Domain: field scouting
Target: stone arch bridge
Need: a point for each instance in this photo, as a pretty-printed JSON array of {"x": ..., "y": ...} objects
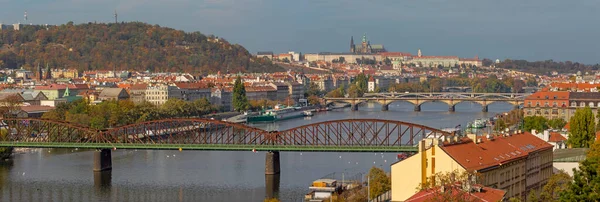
[{"x": 417, "y": 99}]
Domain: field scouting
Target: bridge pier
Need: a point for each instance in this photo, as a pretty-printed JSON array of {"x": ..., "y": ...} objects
[
  {"x": 385, "y": 107},
  {"x": 417, "y": 108},
  {"x": 484, "y": 108},
  {"x": 451, "y": 108},
  {"x": 102, "y": 160},
  {"x": 272, "y": 186},
  {"x": 354, "y": 107},
  {"x": 272, "y": 163}
]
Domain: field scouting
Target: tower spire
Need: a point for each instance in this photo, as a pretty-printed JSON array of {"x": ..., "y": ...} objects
[
  {"x": 116, "y": 15},
  {"x": 25, "y": 17}
]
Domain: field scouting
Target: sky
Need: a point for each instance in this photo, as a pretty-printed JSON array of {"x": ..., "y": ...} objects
[{"x": 533, "y": 29}]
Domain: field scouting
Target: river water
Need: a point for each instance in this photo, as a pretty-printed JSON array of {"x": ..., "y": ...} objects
[{"x": 154, "y": 175}]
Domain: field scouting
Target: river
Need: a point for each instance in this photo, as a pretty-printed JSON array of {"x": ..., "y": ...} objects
[{"x": 154, "y": 175}]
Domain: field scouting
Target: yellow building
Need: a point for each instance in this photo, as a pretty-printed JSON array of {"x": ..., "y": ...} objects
[
  {"x": 64, "y": 73},
  {"x": 515, "y": 163}
]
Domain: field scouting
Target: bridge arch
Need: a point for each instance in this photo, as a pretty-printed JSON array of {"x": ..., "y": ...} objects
[
  {"x": 358, "y": 133},
  {"x": 188, "y": 131},
  {"x": 46, "y": 130}
]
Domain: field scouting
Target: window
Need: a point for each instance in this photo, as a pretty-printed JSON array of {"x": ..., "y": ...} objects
[
  {"x": 591, "y": 104},
  {"x": 546, "y": 104},
  {"x": 582, "y": 104},
  {"x": 573, "y": 104}
]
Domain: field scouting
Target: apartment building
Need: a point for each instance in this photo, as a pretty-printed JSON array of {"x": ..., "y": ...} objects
[
  {"x": 516, "y": 163},
  {"x": 559, "y": 104}
]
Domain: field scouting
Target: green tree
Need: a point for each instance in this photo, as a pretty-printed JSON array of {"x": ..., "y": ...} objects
[
  {"x": 379, "y": 181},
  {"x": 313, "y": 89},
  {"x": 538, "y": 123},
  {"x": 582, "y": 128},
  {"x": 586, "y": 180},
  {"x": 557, "y": 184},
  {"x": 361, "y": 82},
  {"x": 240, "y": 101},
  {"x": 532, "y": 196},
  {"x": 557, "y": 123}
]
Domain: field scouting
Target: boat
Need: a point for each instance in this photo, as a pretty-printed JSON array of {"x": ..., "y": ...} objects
[
  {"x": 277, "y": 114},
  {"x": 308, "y": 113},
  {"x": 477, "y": 123}
]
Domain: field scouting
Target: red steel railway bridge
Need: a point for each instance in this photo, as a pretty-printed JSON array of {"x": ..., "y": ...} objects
[{"x": 349, "y": 135}]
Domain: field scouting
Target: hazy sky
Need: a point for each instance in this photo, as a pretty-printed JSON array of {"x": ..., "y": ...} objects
[{"x": 530, "y": 29}]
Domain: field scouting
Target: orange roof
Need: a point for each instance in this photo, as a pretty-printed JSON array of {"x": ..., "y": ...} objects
[
  {"x": 548, "y": 95},
  {"x": 495, "y": 151},
  {"x": 567, "y": 126},
  {"x": 557, "y": 137},
  {"x": 486, "y": 194}
]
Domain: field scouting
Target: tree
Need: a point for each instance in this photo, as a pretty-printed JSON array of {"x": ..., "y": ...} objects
[
  {"x": 10, "y": 105},
  {"x": 582, "y": 128},
  {"x": 240, "y": 101},
  {"x": 314, "y": 100},
  {"x": 313, "y": 89},
  {"x": 379, "y": 181},
  {"x": 452, "y": 185},
  {"x": 586, "y": 180},
  {"x": 557, "y": 184},
  {"x": 532, "y": 196},
  {"x": 538, "y": 123},
  {"x": 557, "y": 123}
]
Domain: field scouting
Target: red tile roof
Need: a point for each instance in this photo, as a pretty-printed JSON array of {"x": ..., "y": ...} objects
[
  {"x": 557, "y": 137},
  {"x": 542, "y": 95},
  {"x": 494, "y": 151},
  {"x": 486, "y": 194}
]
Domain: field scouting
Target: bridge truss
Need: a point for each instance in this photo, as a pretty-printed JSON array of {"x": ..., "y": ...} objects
[{"x": 357, "y": 135}]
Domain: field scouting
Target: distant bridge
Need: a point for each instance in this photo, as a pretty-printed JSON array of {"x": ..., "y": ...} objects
[
  {"x": 350, "y": 135},
  {"x": 417, "y": 99}
]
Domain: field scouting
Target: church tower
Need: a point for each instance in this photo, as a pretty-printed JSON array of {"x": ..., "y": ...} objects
[
  {"x": 364, "y": 44},
  {"x": 419, "y": 53},
  {"x": 352, "y": 46}
]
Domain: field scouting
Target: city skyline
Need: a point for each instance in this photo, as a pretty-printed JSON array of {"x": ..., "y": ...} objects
[{"x": 518, "y": 30}]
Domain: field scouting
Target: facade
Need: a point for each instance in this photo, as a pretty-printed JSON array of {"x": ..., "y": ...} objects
[
  {"x": 266, "y": 54},
  {"x": 296, "y": 90},
  {"x": 159, "y": 94},
  {"x": 137, "y": 93},
  {"x": 64, "y": 73},
  {"x": 516, "y": 163},
  {"x": 222, "y": 97},
  {"x": 559, "y": 104},
  {"x": 282, "y": 90},
  {"x": 113, "y": 94},
  {"x": 473, "y": 193},
  {"x": 350, "y": 58},
  {"x": 325, "y": 84},
  {"x": 193, "y": 91},
  {"x": 550, "y": 105}
]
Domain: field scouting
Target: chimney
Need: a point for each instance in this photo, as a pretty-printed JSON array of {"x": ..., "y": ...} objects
[
  {"x": 546, "y": 135},
  {"x": 533, "y": 132},
  {"x": 472, "y": 137},
  {"x": 450, "y": 139}
]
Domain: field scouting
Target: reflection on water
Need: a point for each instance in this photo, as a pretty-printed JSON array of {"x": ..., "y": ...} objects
[
  {"x": 153, "y": 175},
  {"x": 272, "y": 186}
]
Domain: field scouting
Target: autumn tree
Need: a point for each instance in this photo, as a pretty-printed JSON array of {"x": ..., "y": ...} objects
[
  {"x": 240, "y": 101},
  {"x": 586, "y": 180},
  {"x": 379, "y": 182},
  {"x": 582, "y": 128},
  {"x": 449, "y": 186},
  {"x": 10, "y": 105},
  {"x": 557, "y": 184}
]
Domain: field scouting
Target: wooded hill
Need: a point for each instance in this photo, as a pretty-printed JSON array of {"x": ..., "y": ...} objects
[{"x": 124, "y": 46}]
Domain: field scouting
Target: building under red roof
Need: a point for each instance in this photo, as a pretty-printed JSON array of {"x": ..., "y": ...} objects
[
  {"x": 494, "y": 151},
  {"x": 476, "y": 193}
]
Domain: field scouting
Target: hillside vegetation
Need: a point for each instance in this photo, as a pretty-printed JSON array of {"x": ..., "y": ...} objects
[
  {"x": 545, "y": 67},
  {"x": 124, "y": 46}
]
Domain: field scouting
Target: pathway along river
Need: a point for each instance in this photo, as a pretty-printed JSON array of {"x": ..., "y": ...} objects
[{"x": 149, "y": 175}]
